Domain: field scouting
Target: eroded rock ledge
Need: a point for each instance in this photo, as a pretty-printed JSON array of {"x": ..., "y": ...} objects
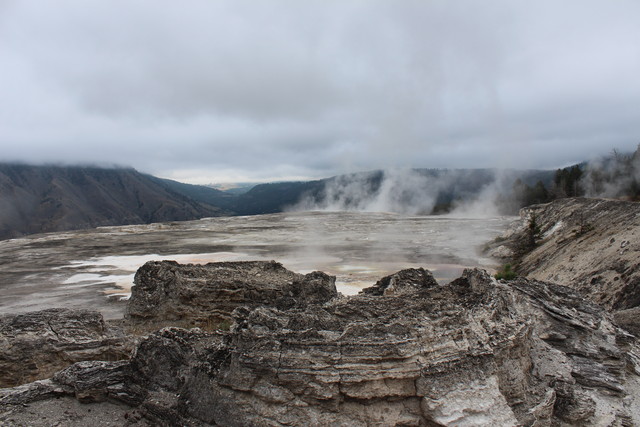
[
  {"x": 404, "y": 352},
  {"x": 36, "y": 345},
  {"x": 206, "y": 295}
]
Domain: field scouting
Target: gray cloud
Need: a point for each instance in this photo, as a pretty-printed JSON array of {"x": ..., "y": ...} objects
[{"x": 206, "y": 91}]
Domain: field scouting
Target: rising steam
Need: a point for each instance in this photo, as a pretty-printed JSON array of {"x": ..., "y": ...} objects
[
  {"x": 410, "y": 192},
  {"x": 615, "y": 176}
]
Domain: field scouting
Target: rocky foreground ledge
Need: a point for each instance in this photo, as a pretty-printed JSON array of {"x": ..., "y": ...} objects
[{"x": 406, "y": 351}]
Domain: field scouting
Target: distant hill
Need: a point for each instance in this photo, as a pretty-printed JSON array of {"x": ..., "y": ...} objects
[
  {"x": 410, "y": 191},
  {"x": 200, "y": 193},
  {"x": 273, "y": 198},
  {"x": 35, "y": 199},
  {"x": 235, "y": 188}
]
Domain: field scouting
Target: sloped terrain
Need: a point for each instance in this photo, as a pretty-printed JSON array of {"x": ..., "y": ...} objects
[
  {"x": 37, "y": 199},
  {"x": 591, "y": 245}
]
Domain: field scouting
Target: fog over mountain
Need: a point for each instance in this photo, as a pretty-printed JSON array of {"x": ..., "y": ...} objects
[
  {"x": 245, "y": 91},
  {"x": 35, "y": 199}
]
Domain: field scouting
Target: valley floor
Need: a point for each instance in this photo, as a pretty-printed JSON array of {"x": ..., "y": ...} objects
[{"x": 95, "y": 268}]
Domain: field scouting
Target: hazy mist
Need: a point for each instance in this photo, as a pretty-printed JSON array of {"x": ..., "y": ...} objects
[{"x": 471, "y": 193}]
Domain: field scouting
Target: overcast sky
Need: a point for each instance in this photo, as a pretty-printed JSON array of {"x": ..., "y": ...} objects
[{"x": 218, "y": 91}]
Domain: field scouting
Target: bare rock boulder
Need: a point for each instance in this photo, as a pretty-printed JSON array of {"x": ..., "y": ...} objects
[
  {"x": 37, "y": 344},
  {"x": 407, "y": 280},
  {"x": 474, "y": 352},
  {"x": 206, "y": 295}
]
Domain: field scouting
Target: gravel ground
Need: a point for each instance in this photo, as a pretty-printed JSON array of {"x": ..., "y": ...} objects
[{"x": 68, "y": 412}]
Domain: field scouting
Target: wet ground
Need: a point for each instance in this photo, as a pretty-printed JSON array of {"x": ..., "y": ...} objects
[{"x": 95, "y": 268}]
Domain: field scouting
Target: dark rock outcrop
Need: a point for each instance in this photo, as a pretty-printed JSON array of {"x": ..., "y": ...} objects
[
  {"x": 206, "y": 295},
  {"x": 629, "y": 319},
  {"x": 37, "y": 344},
  {"x": 408, "y": 280},
  {"x": 474, "y": 352}
]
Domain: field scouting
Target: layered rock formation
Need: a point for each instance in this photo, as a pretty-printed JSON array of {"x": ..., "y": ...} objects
[
  {"x": 206, "y": 295},
  {"x": 591, "y": 245},
  {"x": 36, "y": 345},
  {"x": 405, "y": 352}
]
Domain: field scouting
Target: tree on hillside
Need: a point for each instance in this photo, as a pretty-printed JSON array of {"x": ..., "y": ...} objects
[
  {"x": 527, "y": 195},
  {"x": 566, "y": 182},
  {"x": 617, "y": 175}
]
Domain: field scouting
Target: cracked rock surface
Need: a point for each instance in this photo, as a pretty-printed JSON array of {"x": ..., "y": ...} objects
[
  {"x": 35, "y": 345},
  {"x": 202, "y": 295},
  {"x": 404, "y": 352}
]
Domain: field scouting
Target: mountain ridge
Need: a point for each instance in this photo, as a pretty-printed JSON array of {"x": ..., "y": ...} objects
[
  {"x": 49, "y": 198},
  {"x": 36, "y": 199}
]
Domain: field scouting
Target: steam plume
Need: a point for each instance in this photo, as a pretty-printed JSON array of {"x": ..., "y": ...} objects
[{"x": 410, "y": 192}]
